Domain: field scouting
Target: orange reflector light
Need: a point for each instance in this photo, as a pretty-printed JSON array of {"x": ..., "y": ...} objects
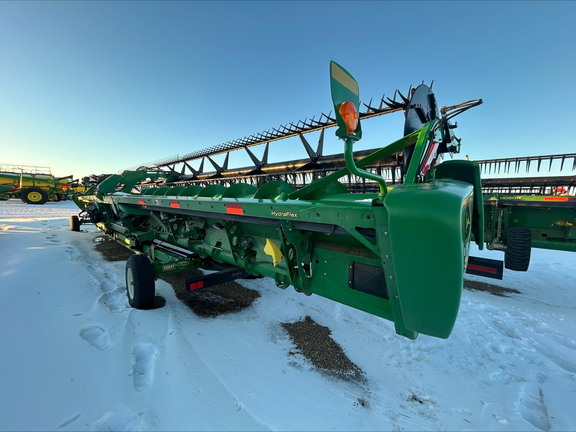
[
  {"x": 234, "y": 208},
  {"x": 174, "y": 204},
  {"x": 141, "y": 202},
  {"x": 350, "y": 116}
]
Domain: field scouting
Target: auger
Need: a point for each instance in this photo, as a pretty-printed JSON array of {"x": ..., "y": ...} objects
[{"x": 399, "y": 253}]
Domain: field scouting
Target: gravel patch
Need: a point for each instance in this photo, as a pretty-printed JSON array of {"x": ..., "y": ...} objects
[
  {"x": 313, "y": 341},
  {"x": 213, "y": 301},
  {"x": 111, "y": 250},
  {"x": 492, "y": 289}
]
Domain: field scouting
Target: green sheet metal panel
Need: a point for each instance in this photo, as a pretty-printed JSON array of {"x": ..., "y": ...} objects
[{"x": 430, "y": 229}]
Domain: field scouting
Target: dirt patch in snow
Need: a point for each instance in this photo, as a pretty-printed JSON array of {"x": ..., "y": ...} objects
[
  {"x": 492, "y": 289},
  {"x": 111, "y": 250},
  {"x": 313, "y": 341},
  {"x": 208, "y": 302},
  {"x": 213, "y": 301}
]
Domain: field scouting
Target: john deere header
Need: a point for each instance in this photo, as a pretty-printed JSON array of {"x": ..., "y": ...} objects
[{"x": 356, "y": 249}]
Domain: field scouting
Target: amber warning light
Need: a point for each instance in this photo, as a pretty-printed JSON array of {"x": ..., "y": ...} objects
[{"x": 350, "y": 116}]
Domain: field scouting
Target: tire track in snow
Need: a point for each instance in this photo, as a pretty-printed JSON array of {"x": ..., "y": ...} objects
[
  {"x": 70, "y": 420},
  {"x": 532, "y": 408}
]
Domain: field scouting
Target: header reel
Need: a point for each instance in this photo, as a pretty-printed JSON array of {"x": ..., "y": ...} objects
[{"x": 422, "y": 108}]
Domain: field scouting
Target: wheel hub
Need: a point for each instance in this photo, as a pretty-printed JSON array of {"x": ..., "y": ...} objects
[
  {"x": 34, "y": 196},
  {"x": 130, "y": 284}
]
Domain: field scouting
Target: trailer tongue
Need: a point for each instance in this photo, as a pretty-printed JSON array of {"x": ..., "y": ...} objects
[{"x": 400, "y": 253}]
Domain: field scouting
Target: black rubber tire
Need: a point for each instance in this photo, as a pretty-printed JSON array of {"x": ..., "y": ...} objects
[
  {"x": 140, "y": 285},
  {"x": 57, "y": 197},
  {"x": 74, "y": 223},
  {"x": 33, "y": 195},
  {"x": 518, "y": 249}
]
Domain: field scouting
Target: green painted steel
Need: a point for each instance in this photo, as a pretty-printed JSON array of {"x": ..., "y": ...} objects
[
  {"x": 400, "y": 254},
  {"x": 551, "y": 220},
  {"x": 429, "y": 228},
  {"x": 344, "y": 90}
]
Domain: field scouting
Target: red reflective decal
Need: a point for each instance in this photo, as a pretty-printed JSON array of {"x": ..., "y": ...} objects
[
  {"x": 174, "y": 204},
  {"x": 559, "y": 199},
  {"x": 234, "y": 208},
  {"x": 196, "y": 285},
  {"x": 481, "y": 268},
  {"x": 430, "y": 157},
  {"x": 141, "y": 202}
]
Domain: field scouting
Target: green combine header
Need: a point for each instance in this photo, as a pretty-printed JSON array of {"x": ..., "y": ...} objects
[{"x": 399, "y": 252}]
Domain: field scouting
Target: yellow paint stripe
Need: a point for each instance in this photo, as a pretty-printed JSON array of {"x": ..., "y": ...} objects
[{"x": 345, "y": 79}]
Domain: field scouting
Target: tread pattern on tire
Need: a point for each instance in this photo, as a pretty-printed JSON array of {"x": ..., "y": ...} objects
[
  {"x": 143, "y": 278},
  {"x": 518, "y": 249}
]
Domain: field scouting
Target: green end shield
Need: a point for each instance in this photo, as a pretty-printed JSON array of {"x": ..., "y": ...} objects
[
  {"x": 344, "y": 88},
  {"x": 429, "y": 226}
]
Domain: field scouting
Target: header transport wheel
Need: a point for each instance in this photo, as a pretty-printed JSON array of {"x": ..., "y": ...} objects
[
  {"x": 33, "y": 195},
  {"x": 518, "y": 249},
  {"x": 74, "y": 223},
  {"x": 140, "y": 284}
]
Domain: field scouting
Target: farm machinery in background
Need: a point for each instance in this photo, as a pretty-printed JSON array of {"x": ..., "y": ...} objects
[
  {"x": 37, "y": 185},
  {"x": 33, "y": 184},
  {"x": 387, "y": 231}
]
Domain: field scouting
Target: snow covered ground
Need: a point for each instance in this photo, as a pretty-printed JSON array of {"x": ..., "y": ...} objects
[{"x": 74, "y": 356}]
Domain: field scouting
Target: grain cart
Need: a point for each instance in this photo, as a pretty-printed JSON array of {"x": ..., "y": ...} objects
[
  {"x": 32, "y": 184},
  {"x": 400, "y": 253}
]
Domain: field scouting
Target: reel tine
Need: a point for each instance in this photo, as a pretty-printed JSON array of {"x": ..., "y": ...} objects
[
  {"x": 320, "y": 146},
  {"x": 406, "y": 100},
  {"x": 265, "y": 155}
]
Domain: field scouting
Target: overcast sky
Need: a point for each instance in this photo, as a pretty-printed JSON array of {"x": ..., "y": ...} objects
[{"x": 96, "y": 87}]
